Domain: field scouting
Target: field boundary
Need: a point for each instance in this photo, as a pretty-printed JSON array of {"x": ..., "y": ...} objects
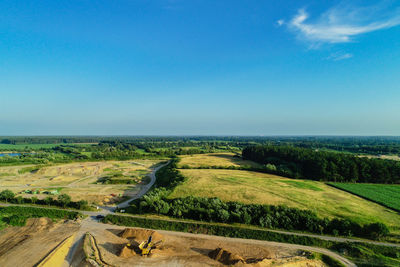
[{"x": 363, "y": 197}]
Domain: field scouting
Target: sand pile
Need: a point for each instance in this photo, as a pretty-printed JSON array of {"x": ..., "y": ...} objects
[
  {"x": 127, "y": 252},
  {"x": 39, "y": 224},
  {"x": 225, "y": 257},
  {"x": 140, "y": 234}
]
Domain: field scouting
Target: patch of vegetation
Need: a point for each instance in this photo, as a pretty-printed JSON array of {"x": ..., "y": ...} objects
[
  {"x": 302, "y": 184},
  {"x": 17, "y": 216},
  {"x": 386, "y": 195},
  {"x": 32, "y": 169},
  {"x": 281, "y": 217},
  {"x": 6, "y": 174},
  {"x": 118, "y": 178},
  {"x": 62, "y": 200},
  {"x": 306, "y": 163}
]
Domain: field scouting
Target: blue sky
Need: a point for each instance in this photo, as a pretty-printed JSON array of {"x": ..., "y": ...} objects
[{"x": 200, "y": 67}]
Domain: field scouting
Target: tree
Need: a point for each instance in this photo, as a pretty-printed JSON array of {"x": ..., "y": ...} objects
[
  {"x": 6, "y": 195},
  {"x": 64, "y": 199},
  {"x": 20, "y": 200},
  {"x": 376, "y": 230},
  {"x": 81, "y": 204},
  {"x": 48, "y": 200},
  {"x": 34, "y": 200}
]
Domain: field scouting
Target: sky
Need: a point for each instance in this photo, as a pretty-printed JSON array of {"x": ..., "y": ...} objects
[{"x": 175, "y": 67}]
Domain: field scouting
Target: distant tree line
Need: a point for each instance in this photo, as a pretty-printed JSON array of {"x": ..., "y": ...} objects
[
  {"x": 304, "y": 163},
  {"x": 355, "y": 144}
]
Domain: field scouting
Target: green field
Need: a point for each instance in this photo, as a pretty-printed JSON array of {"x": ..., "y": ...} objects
[
  {"x": 260, "y": 188},
  {"x": 387, "y": 195}
]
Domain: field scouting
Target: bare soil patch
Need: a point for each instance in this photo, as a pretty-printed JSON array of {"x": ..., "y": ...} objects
[
  {"x": 177, "y": 250},
  {"x": 28, "y": 245}
]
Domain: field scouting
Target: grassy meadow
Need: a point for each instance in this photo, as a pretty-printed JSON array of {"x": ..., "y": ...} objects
[
  {"x": 252, "y": 187},
  {"x": 385, "y": 194},
  {"x": 215, "y": 160}
]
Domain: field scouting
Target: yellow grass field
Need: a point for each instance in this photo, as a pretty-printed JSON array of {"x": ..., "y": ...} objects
[
  {"x": 77, "y": 179},
  {"x": 214, "y": 159},
  {"x": 254, "y": 187}
]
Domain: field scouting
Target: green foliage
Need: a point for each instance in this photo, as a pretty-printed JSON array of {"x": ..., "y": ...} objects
[
  {"x": 39, "y": 212},
  {"x": 168, "y": 176},
  {"x": 269, "y": 216},
  {"x": 64, "y": 199},
  {"x": 305, "y": 163},
  {"x": 29, "y": 169},
  {"x": 6, "y": 195},
  {"x": 331, "y": 262},
  {"x": 386, "y": 195},
  {"x": 15, "y": 220}
]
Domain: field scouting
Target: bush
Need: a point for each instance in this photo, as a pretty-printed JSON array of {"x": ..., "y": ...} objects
[
  {"x": 39, "y": 212},
  {"x": 6, "y": 195},
  {"x": 376, "y": 230}
]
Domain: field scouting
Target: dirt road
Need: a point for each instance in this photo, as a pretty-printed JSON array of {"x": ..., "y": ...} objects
[{"x": 145, "y": 188}]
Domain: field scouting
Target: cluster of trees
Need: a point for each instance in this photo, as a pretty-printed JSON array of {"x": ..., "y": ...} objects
[
  {"x": 63, "y": 200},
  {"x": 215, "y": 210},
  {"x": 168, "y": 177},
  {"x": 307, "y": 163}
]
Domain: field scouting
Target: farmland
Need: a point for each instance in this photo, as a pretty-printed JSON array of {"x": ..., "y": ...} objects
[
  {"x": 82, "y": 181},
  {"x": 387, "y": 195}
]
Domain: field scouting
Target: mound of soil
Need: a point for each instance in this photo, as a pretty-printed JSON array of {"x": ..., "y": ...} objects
[
  {"x": 225, "y": 257},
  {"x": 127, "y": 252},
  {"x": 140, "y": 234},
  {"x": 39, "y": 224}
]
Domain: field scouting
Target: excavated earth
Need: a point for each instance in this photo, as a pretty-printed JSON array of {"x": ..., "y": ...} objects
[
  {"x": 28, "y": 245},
  {"x": 180, "y": 250}
]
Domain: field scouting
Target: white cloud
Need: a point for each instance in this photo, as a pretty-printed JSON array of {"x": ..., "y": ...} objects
[
  {"x": 339, "y": 56},
  {"x": 342, "y": 23},
  {"x": 280, "y": 22}
]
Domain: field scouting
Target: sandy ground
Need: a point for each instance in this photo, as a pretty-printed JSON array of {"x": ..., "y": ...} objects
[
  {"x": 178, "y": 249},
  {"x": 28, "y": 245},
  {"x": 79, "y": 179}
]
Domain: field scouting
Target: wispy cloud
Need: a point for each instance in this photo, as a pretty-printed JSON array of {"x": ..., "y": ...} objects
[
  {"x": 339, "y": 56},
  {"x": 343, "y": 23}
]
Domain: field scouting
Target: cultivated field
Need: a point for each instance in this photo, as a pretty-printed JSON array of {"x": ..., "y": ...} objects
[
  {"x": 387, "y": 195},
  {"x": 215, "y": 160},
  {"x": 80, "y": 180},
  {"x": 252, "y": 187}
]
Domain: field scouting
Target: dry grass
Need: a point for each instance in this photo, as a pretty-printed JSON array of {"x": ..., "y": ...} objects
[
  {"x": 215, "y": 159},
  {"x": 76, "y": 179},
  {"x": 253, "y": 187}
]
